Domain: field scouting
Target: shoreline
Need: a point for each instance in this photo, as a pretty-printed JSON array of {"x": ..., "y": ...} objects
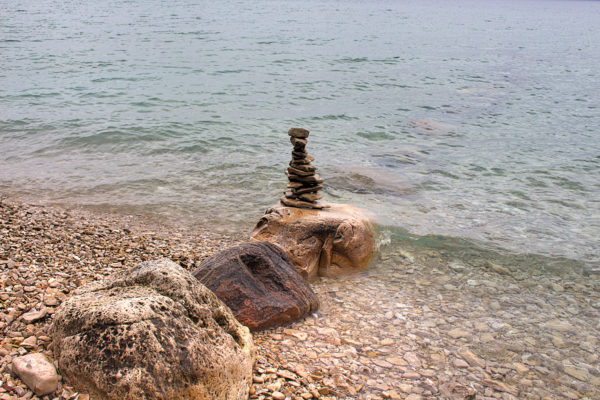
[{"x": 417, "y": 325}]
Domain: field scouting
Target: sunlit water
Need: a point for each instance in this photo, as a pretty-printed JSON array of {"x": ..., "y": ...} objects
[{"x": 467, "y": 119}]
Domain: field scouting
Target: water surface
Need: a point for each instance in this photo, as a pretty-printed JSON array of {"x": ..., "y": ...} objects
[{"x": 469, "y": 120}]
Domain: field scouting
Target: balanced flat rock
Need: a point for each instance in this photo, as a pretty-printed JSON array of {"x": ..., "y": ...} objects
[
  {"x": 310, "y": 196},
  {"x": 296, "y": 171},
  {"x": 303, "y": 166},
  {"x": 259, "y": 284},
  {"x": 301, "y": 155},
  {"x": 301, "y": 203},
  {"x": 308, "y": 189},
  {"x": 315, "y": 179},
  {"x": 298, "y": 133}
]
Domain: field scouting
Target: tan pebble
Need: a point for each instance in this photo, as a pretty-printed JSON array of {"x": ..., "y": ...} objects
[
  {"x": 520, "y": 368},
  {"x": 297, "y": 334},
  {"x": 286, "y": 374},
  {"x": 487, "y": 337},
  {"x": 387, "y": 342},
  {"x": 258, "y": 379},
  {"x": 557, "y": 287},
  {"x": 30, "y": 342},
  {"x": 324, "y": 390},
  {"x": 405, "y": 387},
  {"x": 558, "y": 341},
  {"x": 458, "y": 333},
  {"x": 396, "y": 361},
  {"x": 33, "y": 316},
  {"x": 274, "y": 387},
  {"x": 498, "y": 268},
  {"x": 471, "y": 358},
  {"x": 412, "y": 359},
  {"x": 411, "y": 375},
  {"x": 558, "y": 325},
  {"x": 278, "y": 396},
  {"x": 460, "y": 363},
  {"x": 391, "y": 394},
  {"x": 37, "y": 372},
  {"x": 428, "y": 373},
  {"x": 577, "y": 373},
  {"x": 306, "y": 396}
]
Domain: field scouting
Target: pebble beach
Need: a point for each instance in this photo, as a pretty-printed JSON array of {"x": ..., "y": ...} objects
[{"x": 416, "y": 325}]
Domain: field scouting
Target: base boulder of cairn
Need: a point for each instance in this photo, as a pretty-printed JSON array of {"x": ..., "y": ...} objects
[
  {"x": 330, "y": 242},
  {"x": 259, "y": 284},
  {"x": 152, "y": 332}
]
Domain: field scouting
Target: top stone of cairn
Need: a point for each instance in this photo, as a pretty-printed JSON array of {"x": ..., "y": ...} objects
[{"x": 299, "y": 133}]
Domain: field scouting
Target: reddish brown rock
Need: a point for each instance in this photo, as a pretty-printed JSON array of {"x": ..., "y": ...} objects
[
  {"x": 319, "y": 242},
  {"x": 259, "y": 284}
]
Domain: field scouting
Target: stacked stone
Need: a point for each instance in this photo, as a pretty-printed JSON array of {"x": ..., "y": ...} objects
[{"x": 304, "y": 183}]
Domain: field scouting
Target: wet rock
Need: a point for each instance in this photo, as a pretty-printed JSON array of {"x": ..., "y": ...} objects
[
  {"x": 471, "y": 358},
  {"x": 37, "y": 372},
  {"x": 259, "y": 284},
  {"x": 330, "y": 242},
  {"x": 152, "y": 331},
  {"x": 500, "y": 386},
  {"x": 458, "y": 333}
]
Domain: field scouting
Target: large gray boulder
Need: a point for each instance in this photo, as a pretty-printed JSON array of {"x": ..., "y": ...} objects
[{"x": 152, "y": 332}]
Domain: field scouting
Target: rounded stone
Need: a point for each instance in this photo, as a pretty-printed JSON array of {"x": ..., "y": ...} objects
[{"x": 152, "y": 332}]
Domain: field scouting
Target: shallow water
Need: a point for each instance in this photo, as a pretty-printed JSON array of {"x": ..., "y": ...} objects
[{"x": 447, "y": 119}]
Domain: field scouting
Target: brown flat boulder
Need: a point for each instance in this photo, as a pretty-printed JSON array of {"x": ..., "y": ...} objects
[
  {"x": 259, "y": 284},
  {"x": 319, "y": 242}
]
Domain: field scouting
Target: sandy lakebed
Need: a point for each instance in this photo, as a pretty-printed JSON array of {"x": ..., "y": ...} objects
[{"x": 416, "y": 325}]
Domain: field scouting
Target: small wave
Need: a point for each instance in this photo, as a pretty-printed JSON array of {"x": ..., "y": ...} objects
[
  {"x": 352, "y": 60},
  {"x": 331, "y": 117},
  {"x": 229, "y": 71}
]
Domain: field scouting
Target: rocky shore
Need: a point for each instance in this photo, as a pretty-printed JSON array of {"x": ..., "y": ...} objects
[{"x": 417, "y": 325}]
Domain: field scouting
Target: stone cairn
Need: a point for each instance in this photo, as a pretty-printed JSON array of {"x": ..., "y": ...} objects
[{"x": 304, "y": 183}]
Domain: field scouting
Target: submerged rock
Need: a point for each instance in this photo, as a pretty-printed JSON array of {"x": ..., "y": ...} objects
[
  {"x": 329, "y": 242},
  {"x": 152, "y": 332},
  {"x": 259, "y": 284}
]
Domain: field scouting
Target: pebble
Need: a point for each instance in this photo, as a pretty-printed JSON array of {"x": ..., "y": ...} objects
[
  {"x": 278, "y": 396},
  {"x": 377, "y": 334},
  {"x": 458, "y": 333},
  {"x": 37, "y": 372}
]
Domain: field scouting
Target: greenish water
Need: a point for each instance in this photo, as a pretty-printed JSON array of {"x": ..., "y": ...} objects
[{"x": 470, "y": 121}]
